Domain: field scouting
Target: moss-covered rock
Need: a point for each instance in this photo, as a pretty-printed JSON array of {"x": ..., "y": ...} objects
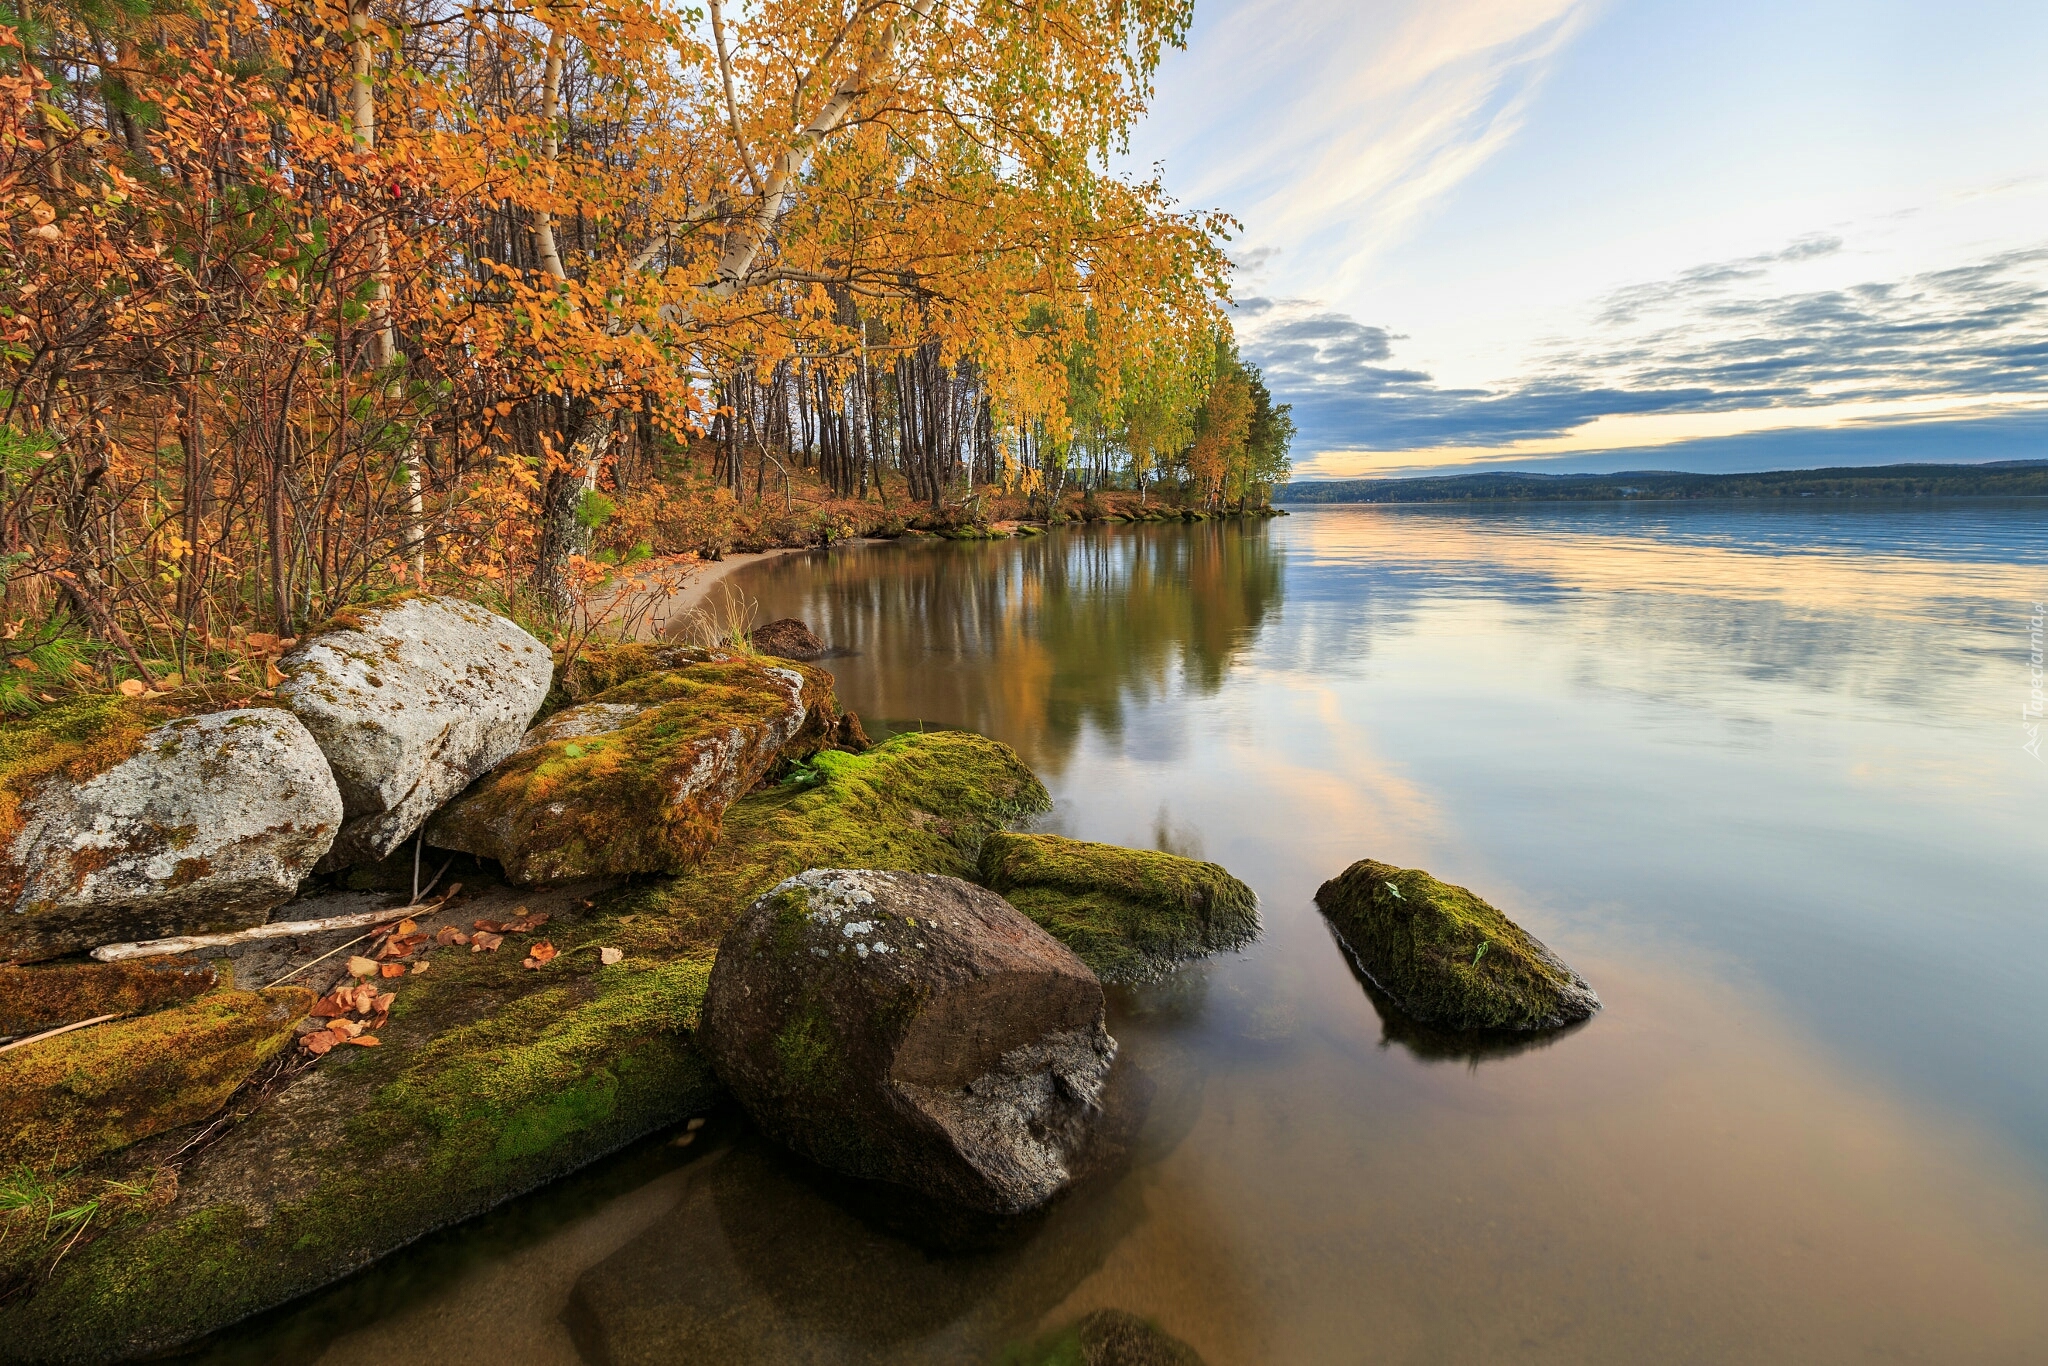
[
  {"x": 636, "y": 779},
  {"x": 1107, "y": 1337},
  {"x": 1130, "y": 914},
  {"x": 39, "y": 998},
  {"x": 67, "y": 1099},
  {"x": 1448, "y": 958},
  {"x": 599, "y": 666},
  {"x": 917, "y": 802},
  {"x": 491, "y": 1080}
]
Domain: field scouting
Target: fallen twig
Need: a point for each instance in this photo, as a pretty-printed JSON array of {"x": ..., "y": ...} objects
[
  {"x": 277, "y": 929},
  {"x": 53, "y": 1033}
]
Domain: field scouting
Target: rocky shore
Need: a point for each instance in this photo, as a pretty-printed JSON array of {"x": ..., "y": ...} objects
[{"x": 296, "y": 976}]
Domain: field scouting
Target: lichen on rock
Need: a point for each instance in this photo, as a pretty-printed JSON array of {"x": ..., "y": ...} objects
[
  {"x": 636, "y": 779},
  {"x": 33, "y": 999},
  {"x": 1131, "y": 914},
  {"x": 66, "y": 1099},
  {"x": 126, "y": 830},
  {"x": 411, "y": 700},
  {"x": 911, "y": 1028},
  {"x": 1448, "y": 958}
]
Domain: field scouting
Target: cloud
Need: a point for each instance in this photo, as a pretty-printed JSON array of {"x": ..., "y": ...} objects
[{"x": 1712, "y": 339}]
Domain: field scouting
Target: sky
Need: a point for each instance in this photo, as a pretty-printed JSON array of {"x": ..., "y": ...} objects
[{"x": 1627, "y": 234}]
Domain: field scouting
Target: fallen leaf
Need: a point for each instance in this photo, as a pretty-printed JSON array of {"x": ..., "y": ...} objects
[
  {"x": 393, "y": 970},
  {"x": 609, "y": 956},
  {"x": 539, "y": 954},
  {"x": 407, "y": 926},
  {"x": 385, "y": 1000},
  {"x": 489, "y": 926},
  {"x": 271, "y": 677},
  {"x": 420, "y": 967},
  {"x": 345, "y": 1029},
  {"x": 448, "y": 934},
  {"x": 364, "y": 995},
  {"x": 320, "y": 1042},
  {"x": 359, "y": 966},
  {"x": 132, "y": 687},
  {"x": 484, "y": 942},
  {"x": 365, "y": 1040},
  {"x": 333, "y": 1004},
  {"x": 527, "y": 924}
]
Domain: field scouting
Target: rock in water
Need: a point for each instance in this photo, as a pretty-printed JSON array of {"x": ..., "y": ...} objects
[
  {"x": 1130, "y": 914},
  {"x": 911, "y": 1028},
  {"x": 410, "y": 702},
  {"x": 68, "y": 1099},
  {"x": 787, "y": 638},
  {"x": 635, "y": 780},
  {"x": 196, "y": 826},
  {"x": 1107, "y": 1337},
  {"x": 35, "y": 999},
  {"x": 1448, "y": 958}
]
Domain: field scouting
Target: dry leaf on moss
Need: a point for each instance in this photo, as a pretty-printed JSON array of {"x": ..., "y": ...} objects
[
  {"x": 393, "y": 969},
  {"x": 539, "y": 954},
  {"x": 485, "y": 942},
  {"x": 365, "y": 1040},
  {"x": 420, "y": 967},
  {"x": 132, "y": 687},
  {"x": 609, "y": 956},
  {"x": 527, "y": 923},
  {"x": 448, "y": 934}
]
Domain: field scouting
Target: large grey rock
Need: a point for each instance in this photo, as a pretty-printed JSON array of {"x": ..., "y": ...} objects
[
  {"x": 209, "y": 825},
  {"x": 411, "y": 702},
  {"x": 911, "y": 1028}
]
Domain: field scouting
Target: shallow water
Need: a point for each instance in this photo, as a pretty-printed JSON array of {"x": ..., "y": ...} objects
[{"x": 1756, "y": 772}]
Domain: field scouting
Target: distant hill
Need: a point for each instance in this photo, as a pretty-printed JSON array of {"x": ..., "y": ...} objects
[{"x": 2004, "y": 478}]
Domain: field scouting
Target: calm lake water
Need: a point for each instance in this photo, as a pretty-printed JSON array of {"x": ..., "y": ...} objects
[{"x": 1756, "y": 771}]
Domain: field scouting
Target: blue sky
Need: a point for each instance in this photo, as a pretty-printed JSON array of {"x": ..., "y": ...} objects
[{"x": 1633, "y": 233}]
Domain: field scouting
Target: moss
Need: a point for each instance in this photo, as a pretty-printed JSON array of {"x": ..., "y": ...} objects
[
  {"x": 580, "y": 805},
  {"x": 80, "y": 739},
  {"x": 600, "y": 666},
  {"x": 1130, "y": 914},
  {"x": 38, "y": 998},
  {"x": 521, "y": 1078},
  {"x": 1107, "y": 1337},
  {"x": 1445, "y": 956},
  {"x": 806, "y": 1047},
  {"x": 75, "y": 1096},
  {"x": 918, "y": 802}
]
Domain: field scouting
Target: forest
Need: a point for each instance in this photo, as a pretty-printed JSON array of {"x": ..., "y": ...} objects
[{"x": 304, "y": 304}]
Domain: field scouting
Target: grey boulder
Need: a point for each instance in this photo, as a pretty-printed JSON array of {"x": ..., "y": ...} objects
[
  {"x": 911, "y": 1028},
  {"x": 411, "y": 702},
  {"x": 210, "y": 824}
]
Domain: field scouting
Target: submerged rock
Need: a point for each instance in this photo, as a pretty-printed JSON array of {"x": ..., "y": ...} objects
[
  {"x": 200, "y": 824},
  {"x": 914, "y": 1029},
  {"x": 787, "y": 638},
  {"x": 411, "y": 701},
  {"x": 1130, "y": 914},
  {"x": 70, "y": 1098},
  {"x": 635, "y": 780},
  {"x": 1448, "y": 958},
  {"x": 1107, "y": 1337},
  {"x": 39, "y": 998}
]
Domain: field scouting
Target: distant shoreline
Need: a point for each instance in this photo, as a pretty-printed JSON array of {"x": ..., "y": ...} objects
[{"x": 2005, "y": 478}]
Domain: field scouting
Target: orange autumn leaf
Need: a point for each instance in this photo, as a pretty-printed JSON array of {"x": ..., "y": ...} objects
[
  {"x": 364, "y": 1040},
  {"x": 392, "y": 969},
  {"x": 359, "y": 966},
  {"x": 541, "y": 953}
]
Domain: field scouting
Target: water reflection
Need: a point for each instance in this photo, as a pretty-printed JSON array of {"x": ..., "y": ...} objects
[{"x": 1087, "y": 627}]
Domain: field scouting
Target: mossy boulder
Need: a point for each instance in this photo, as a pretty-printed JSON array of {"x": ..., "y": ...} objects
[
  {"x": 914, "y": 1029},
  {"x": 1107, "y": 1337},
  {"x": 1130, "y": 914},
  {"x": 411, "y": 700},
  {"x": 636, "y": 779},
  {"x": 125, "y": 819},
  {"x": 599, "y": 666},
  {"x": 1448, "y": 958},
  {"x": 920, "y": 802},
  {"x": 491, "y": 1080},
  {"x": 70, "y": 1098},
  {"x": 38, "y": 998}
]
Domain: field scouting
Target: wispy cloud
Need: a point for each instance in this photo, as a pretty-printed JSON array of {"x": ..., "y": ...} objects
[{"x": 1712, "y": 339}]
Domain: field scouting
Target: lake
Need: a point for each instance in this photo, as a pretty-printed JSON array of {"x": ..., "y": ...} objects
[{"x": 1756, "y": 771}]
